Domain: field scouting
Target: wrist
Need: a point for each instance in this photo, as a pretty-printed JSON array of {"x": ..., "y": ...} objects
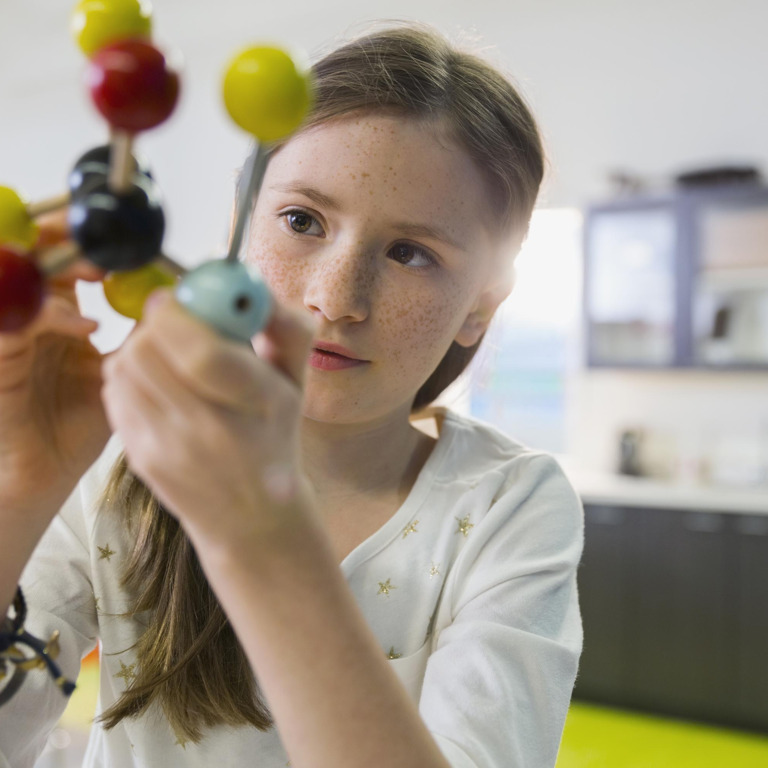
[
  {"x": 17, "y": 544},
  {"x": 14, "y": 637},
  {"x": 31, "y": 494},
  {"x": 258, "y": 538},
  {"x": 23, "y": 523}
]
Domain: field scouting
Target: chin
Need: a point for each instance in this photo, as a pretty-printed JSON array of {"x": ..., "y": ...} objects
[
  {"x": 342, "y": 411},
  {"x": 332, "y": 416}
]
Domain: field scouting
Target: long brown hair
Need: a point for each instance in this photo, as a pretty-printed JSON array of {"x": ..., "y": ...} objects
[{"x": 189, "y": 661}]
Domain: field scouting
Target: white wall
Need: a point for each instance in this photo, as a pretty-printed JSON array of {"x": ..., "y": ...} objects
[
  {"x": 653, "y": 86},
  {"x": 700, "y": 426}
]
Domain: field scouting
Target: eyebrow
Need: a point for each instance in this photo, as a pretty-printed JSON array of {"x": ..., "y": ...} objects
[
  {"x": 310, "y": 192},
  {"x": 411, "y": 229},
  {"x": 424, "y": 230}
]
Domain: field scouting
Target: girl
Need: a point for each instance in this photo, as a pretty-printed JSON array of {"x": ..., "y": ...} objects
[{"x": 288, "y": 558}]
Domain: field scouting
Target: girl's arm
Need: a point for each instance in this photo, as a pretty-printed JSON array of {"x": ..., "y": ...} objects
[
  {"x": 52, "y": 421},
  {"x": 202, "y": 420},
  {"x": 335, "y": 699}
]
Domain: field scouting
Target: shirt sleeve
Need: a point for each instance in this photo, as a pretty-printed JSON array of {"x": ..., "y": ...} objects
[
  {"x": 57, "y": 588},
  {"x": 498, "y": 683}
]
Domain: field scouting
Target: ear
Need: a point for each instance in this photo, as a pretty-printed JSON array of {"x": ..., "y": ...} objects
[{"x": 477, "y": 321}]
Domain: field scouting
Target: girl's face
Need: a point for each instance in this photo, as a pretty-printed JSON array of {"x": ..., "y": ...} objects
[{"x": 378, "y": 226}]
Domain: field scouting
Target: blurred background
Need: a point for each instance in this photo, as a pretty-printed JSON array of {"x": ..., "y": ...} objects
[{"x": 634, "y": 346}]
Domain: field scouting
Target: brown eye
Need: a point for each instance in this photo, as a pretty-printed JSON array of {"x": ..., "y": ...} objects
[
  {"x": 300, "y": 222},
  {"x": 402, "y": 252},
  {"x": 406, "y": 254}
]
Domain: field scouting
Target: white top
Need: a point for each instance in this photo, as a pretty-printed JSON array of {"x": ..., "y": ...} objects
[{"x": 470, "y": 587}]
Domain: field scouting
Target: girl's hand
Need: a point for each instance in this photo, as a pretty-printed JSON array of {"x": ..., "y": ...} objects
[
  {"x": 52, "y": 422},
  {"x": 210, "y": 427}
]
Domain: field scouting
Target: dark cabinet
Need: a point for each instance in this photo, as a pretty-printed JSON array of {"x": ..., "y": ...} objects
[
  {"x": 605, "y": 592},
  {"x": 751, "y": 626},
  {"x": 675, "y": 612},
  {"x": 679, "y": 280}
]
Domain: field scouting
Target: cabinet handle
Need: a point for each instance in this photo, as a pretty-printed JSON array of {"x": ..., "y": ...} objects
[{"x": 704, "y": 522}]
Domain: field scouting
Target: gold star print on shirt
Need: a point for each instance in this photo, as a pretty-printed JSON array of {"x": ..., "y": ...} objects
[
  {"x": 464, "y": 525},
  {"x": 392, "y": 654},
  {"x": 106, "y": 552},
  {"x": 410, "y": 528},
  {"x": 385, "y": 587},
  {"x": 126, "y": 672}
]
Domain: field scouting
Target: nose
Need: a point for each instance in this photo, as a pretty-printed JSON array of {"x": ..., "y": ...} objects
[{"x": 341, "y": 284}]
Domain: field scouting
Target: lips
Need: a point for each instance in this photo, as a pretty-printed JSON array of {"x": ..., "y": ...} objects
[
  {"x": 331, "y": 361},
  {"x": 336, "y": 349}
]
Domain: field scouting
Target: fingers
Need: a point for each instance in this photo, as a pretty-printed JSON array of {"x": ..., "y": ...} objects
[
  {"x": 129, "y": 403},
  {"x": 19, "y": 350},
  {"x": 140, "y": 361},
  {"x": 221, "y": 371},
  {"x": 78, "y": 270},
  {"x": 287, "y": 341},
  {"x": 54, "y": 229},
  {"x": 174, "y": 348},
  {"x": 58, "y": 315}
]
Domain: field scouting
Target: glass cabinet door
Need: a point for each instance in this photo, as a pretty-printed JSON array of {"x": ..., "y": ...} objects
[
  {"x": 630, "y": 288},
  {"x": 730, "y": 290}
]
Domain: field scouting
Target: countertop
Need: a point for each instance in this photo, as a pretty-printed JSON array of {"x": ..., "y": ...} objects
[{"x": 596, "y": 487}]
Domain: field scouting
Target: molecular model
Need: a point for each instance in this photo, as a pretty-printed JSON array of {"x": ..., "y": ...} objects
[{"x": 115, "y": 217}]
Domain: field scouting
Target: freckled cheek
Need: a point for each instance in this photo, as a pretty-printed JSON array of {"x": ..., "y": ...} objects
[
  {"x": 282, "y": 271},
  {"x": 422, "y": 330}
]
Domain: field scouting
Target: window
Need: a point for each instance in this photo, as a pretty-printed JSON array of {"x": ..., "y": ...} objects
[{"x": 518, "y": 379}]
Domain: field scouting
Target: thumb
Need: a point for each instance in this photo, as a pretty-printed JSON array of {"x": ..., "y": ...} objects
[
  {"x": 286, "y": 341},
  {"x": 53, "y": 228}
]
